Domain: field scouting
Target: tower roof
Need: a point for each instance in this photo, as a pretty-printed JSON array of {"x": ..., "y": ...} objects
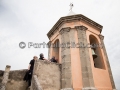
[{"x": 71, "y": 18}]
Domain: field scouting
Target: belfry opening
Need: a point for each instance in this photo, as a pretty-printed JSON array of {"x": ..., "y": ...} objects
[
  {"x": 55, "y": 51},
  {"x": 96, "y": 47}
]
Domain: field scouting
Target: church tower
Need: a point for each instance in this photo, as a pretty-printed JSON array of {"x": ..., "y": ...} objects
[{"x": 77, "y": 43}]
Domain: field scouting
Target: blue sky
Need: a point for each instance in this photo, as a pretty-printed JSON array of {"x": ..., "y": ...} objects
[{"x": 29, "y": 21}]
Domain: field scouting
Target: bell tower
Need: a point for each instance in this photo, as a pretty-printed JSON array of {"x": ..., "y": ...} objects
[{"x": 77, "y": 43}]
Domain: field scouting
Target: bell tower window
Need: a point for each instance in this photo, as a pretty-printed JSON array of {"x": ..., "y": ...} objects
[{"x": 96, "y": 52}]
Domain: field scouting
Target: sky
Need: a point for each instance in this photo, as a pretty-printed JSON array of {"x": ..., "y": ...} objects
[{"x": 30, "y": 20}]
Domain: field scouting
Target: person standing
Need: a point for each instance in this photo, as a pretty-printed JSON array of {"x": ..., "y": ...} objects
[
  {"x": 42, "y": 57},
  {"x": 53, "y": 59},
  {"x": 30, "y": 69}
]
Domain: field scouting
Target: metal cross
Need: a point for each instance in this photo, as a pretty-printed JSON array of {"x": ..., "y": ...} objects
[{"x": 71, "y": 6}]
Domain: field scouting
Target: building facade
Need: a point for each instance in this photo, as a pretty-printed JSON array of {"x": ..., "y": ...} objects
[{"x": 82, "y": 67}]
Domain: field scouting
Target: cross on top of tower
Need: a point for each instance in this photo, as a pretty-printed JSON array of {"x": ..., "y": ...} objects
[{"x": 71, "y": 6}]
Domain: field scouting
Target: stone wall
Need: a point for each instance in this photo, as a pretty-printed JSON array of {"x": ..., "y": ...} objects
[
  {"x": 1, "y": 75},
  {"x": 35, "y": 83},
  {"x": 48, "y": 75},
  {"x": 15, "y": 81}
]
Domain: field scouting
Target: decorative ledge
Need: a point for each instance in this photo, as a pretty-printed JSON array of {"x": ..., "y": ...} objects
[{"x": 77, "y": 17}]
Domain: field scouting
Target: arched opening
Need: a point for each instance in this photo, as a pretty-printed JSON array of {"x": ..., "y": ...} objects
[
  {"x": 96, "y": 52},
  {"x": 55, "y": 51}
]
